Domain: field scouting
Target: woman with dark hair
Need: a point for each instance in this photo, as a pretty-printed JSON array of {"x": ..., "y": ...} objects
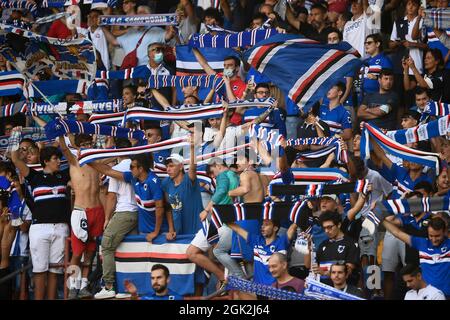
[
  {"x": 372, "y": 66},
  {"x": 432, "y": 80}
]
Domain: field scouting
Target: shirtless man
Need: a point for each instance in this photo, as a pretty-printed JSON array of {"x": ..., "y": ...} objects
[
  {"x": 86, "y": 185},
  {"x": 250, "y": 187}
]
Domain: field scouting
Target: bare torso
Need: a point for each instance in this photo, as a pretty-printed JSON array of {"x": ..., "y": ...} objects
[
  {"x": 256, "y": 193},
  {"x": 86, "y": 185}
]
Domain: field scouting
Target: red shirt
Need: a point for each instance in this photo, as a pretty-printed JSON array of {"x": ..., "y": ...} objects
[
  {"x": 238, "y": 87},
  {"x": 59, "y": 30},
  {"x": 339, "y": 6}
]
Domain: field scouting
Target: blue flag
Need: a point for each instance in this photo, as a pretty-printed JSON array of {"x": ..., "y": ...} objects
[{"x": 303, "y": 69}]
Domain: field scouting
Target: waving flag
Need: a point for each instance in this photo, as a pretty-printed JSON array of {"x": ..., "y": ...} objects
[
  {"x": 135, "y": 257},
  {"x": 187, "y": 64},
  {"x": 304, "y": 69},
  {"x": 31, "y": 53}
]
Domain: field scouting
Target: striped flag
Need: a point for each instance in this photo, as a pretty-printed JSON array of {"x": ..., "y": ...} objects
[
  {"x": 187, "y": 64},
  {"x": 135, "y": 257},
  {"x": 11, "y": 83},
  {"x": 304, "y": 69}
]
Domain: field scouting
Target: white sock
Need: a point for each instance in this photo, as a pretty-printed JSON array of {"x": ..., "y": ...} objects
[{"x": 84, "y": 283}]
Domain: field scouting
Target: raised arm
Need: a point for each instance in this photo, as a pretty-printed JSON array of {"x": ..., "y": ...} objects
[
  {"x": 290, "y": 17},
  {"x": 239, "y": 230},
  {"x": 20, "y": 164},
  {"x": 66, "y": 152},
  {"x": 406, "y": 238},
  {"x": 107, "y": 170},
  {"x": 292, "y": 231},
  {"x": 192, "y": 162},
  {"x": 380, "y": 154},
  {"x": 223, "y": 126},
  {"x": 161, "y": 99},
  {"x": 201, "y": 59},
  {"x": 41, "y": 123}
]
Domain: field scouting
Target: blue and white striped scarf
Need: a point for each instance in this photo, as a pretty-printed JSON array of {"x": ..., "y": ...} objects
[
  {"x": 18, "y": 4},
  {"x": 90, "y": 155},
  {"x": 174, "y": 113},
  {"x": 436, "y": 109},
  {"x": 241, "y": 39},
  {"x": 422, "y": 132},
  {"x": 437, "y": 18},
  {"x": 146, "y": 20},
  {"x": 59, "y": 127},
  {"x": 397, "y": 149},
  {"x": 36, "y": 134}
]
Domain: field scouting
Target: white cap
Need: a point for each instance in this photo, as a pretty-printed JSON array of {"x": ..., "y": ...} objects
[
  {"x": 332, "y": 196},
  {"x": 175, "y": 157}
]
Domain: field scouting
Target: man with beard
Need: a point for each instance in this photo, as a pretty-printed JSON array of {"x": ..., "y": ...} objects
[{"x": 160, "y": 281}]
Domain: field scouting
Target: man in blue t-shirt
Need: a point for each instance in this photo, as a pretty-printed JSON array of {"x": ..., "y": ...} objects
[
  {"x": 264, "y": 245},
  {"x": 160, "y": 281},
  {"x": 335, "y": 114},
  {"x": 148, "y": 193},
  {"x": 434, "y": 252}
]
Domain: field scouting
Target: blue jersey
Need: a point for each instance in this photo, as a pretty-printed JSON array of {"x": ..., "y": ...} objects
[
  {"x": 373, "y": 66},
  {"x": 273, "y": 121},
  {"x": 337, "y": 119},
  {"x": 401, "y": 179},
  {"x": 435, "y": 43},
  {"x": 146, "y": 194},
  {"x": 186, "y": 202},
  {"x": 171, "y": 295},
  {"x": 434, "y": 262},
  {"x": 160, "y": 156},
  {"x": 262, "y": 253}
]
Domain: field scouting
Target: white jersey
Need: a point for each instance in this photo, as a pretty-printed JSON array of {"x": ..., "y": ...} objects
[
  {"x": 427, "y": 293},
  {"x": 125, "y": 193},
  {"x": 356, "y": 31}
]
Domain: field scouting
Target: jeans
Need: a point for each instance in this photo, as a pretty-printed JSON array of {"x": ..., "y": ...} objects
[
  {"x": 291, "y": 126},
  {"x": 221, "y": 251}
]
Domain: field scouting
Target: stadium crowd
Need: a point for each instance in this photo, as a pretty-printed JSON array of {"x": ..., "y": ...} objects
[{"x": 50, "y": 192}]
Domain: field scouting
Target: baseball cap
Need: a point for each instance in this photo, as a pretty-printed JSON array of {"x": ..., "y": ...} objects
[
  {"x": 175, "y": 157},
  {"x": 331, "y": 196}
]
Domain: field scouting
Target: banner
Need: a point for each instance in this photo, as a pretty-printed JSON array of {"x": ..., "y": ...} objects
[
  {"x": 80, "y": 107},
  {"x": 169, "y": 19},
  {"x": 31, "y": 53},
  {"x": 135, "y": 257}
]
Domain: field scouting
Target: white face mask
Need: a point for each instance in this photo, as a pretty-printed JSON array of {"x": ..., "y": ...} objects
[{"x": 228, "y": 72}]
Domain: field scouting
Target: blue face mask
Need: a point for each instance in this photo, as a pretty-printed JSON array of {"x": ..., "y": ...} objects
[{"x": 158, "y": 57}]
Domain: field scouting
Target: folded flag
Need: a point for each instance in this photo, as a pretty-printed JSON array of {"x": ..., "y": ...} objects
[
  {"x": 390, "y": 146},
  {"x": 56, "y": 87},
  {"x": 59, "y": 127},
  {"x": 135, "y": 257},
  {"x": 169, "y": 19},
  {"x": 307, "y": 80},
  {"x": 31, "y": 53},
  {"x": 187, "y": 64},
  {"x": 236, "y": 40},
  {"x": 11, "y": 83}
]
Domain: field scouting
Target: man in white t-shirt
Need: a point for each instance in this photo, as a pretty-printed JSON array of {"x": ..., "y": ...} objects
[
  {"x": 121, "y": 201},
  {"x": 420, "y": 290},
  {"x": 401, "y": 37},
  {"x": 96, "y": 35},
  {"x": 359, "y": 26}
]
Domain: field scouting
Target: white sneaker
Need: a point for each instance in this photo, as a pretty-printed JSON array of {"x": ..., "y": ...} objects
[
  {"x": 123, "y": 295},
  {"x": 105, "y": 294}
]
